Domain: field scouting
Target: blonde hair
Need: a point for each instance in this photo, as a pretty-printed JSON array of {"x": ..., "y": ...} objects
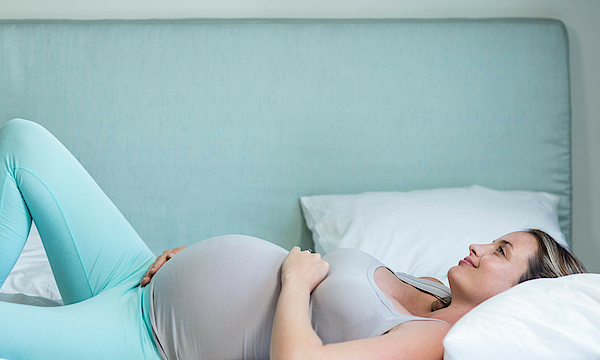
[{"x": 551, "y": 260}]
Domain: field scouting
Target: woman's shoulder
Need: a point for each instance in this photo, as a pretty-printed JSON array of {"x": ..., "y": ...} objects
[
  {"x": 431, "y": 279},
  {"x": 424, "y": 331},
  {"x": 413, "y": 340},
  {"x": 418, "y": 339},
  {"x": 423, "y": 323}
]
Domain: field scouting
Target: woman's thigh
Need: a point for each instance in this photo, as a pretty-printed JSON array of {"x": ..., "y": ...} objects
[
  {"x": 90, "y": 244},
  {"x": 107, "y": 326}
]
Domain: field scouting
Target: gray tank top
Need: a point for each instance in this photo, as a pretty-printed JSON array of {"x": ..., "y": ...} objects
[
  {"x": 348, "y": 304},
  {"x": 217, "y": 299}
]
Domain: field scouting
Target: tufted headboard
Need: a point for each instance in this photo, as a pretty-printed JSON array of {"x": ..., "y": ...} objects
[{"x": 196, "y": 128}]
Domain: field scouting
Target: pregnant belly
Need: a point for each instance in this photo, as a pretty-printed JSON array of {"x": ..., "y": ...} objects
[{"x": 217, "y": 298}]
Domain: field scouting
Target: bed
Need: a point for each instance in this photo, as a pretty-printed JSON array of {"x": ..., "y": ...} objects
[{"x": 197, "y": 128}]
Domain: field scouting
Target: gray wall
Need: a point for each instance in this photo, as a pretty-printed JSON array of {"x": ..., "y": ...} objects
[{"x": 580, "y": 17}]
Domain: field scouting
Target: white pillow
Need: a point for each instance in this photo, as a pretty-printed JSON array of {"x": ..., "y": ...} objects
[
  {"x": 425, "y": 232},
  {"x": 32, "y": 274},
  {"x": 554, "y": 319}
]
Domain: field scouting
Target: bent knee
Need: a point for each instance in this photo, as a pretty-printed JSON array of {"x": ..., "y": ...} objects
[
  {"x": 20, "y": 131},
  {"x": 21, "y": 126}
]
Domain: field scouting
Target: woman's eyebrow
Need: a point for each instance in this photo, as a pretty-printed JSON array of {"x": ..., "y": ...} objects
[{"x": 504, "y": 242}]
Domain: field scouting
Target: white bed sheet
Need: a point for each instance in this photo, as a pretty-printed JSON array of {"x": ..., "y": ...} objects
[{"x": 31, "y": 281}]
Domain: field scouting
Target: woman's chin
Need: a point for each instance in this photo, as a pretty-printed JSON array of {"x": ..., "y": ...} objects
[
  {"x": 457, "y": 274},
  {"x": 452, "y": 270},
  {"x": 451, "y": 273}
]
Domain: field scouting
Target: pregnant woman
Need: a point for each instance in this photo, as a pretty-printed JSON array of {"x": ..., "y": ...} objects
[{"x": 230, "y": 297}]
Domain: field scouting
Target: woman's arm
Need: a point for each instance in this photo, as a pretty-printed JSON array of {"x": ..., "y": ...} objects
[
  {"x": 293, "y": 337},
  {"x": 413, "y": 340},
  {"x": 292, "y": 332}
]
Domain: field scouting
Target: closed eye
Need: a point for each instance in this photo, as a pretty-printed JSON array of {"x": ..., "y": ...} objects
[{"x": 501, "y": 243}]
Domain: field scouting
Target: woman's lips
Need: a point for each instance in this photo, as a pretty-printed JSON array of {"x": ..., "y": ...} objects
[{"x": 468, "y": 261}]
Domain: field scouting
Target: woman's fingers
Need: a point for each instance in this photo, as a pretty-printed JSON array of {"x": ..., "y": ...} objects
[
  {"x": 153, "y": 269},
  {"x": 166, "y": 255},
  {"x": 172, "y": 253},
  {"x": 304, "y": 268},
  {"x": 160, "y": 261}
]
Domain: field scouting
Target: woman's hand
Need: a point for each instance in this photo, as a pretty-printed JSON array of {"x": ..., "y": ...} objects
[
  {"x": 303, "y": 269},
  {"x": 167, "y": 254}
]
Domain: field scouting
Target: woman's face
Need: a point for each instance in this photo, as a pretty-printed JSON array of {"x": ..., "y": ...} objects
[{"x": 492, "y": 268}]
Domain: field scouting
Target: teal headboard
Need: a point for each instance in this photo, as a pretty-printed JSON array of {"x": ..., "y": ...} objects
[{"x": 196, "y": 128}]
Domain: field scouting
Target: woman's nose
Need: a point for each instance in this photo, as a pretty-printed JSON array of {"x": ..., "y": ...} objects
[
  {"x": 473, "y": 249},
  {"x": 481, "y": 249},
  {"x": 477, "y": 249}
]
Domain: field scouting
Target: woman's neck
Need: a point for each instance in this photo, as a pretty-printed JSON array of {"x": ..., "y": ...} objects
[{"x": 452, "y": 313}]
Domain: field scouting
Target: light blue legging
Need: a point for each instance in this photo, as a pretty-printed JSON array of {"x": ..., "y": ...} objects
[{"x": 96, "y": 256}]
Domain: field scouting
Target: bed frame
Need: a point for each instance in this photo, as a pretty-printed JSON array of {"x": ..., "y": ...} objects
[{"x": 197, "y": 128}]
